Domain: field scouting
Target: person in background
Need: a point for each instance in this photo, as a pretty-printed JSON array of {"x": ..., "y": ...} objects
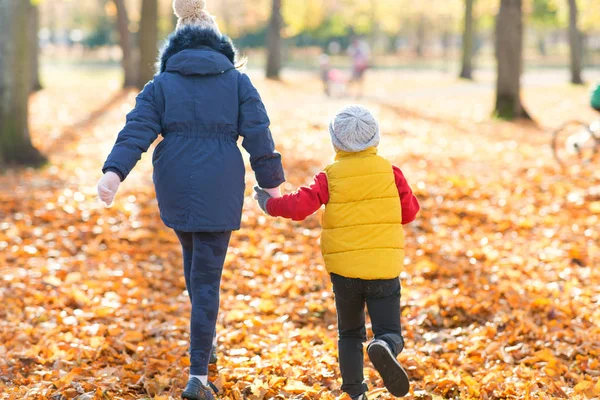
[
  {"x": 595, "y": 98},
  {"x": 360, "y": 56},
  {"x": 325, "y": 69}
]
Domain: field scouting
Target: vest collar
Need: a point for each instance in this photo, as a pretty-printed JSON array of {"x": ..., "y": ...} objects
[{"x": 371, "y": 151}]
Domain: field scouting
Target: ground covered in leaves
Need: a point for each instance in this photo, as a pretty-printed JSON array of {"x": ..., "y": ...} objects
[{"x": 501, "y": 290}]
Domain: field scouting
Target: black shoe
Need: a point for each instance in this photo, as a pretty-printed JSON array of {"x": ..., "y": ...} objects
[
  {"x": 394, "y": 376},
  {"x": 362, "y": 396},
  {"x": 195, "y": 390}
]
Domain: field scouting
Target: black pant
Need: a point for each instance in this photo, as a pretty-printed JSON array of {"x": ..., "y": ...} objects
[
  {"x": 203, "y": 258},
  {"x": 382, "y": 298}
]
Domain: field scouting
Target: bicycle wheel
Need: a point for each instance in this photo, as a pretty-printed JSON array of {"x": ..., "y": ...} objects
[
  {"x": 595, "y": 130},
  {"x": 574, "y": 143}
]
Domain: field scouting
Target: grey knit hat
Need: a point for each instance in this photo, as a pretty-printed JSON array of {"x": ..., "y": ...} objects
[{"x": 354, "y": 129}]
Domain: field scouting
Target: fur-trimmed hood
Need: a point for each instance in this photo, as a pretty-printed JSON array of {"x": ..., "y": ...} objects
[{"x": 194, "y": 38}]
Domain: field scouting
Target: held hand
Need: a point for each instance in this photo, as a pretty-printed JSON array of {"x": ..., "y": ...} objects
[
  {"x": 274, "y": 193},
  {"x": 262, "y": 197},
  {"x": 108, "y": 187}
]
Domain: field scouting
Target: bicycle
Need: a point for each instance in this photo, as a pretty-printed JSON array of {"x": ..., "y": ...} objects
[{"x": 576, "y": 142}]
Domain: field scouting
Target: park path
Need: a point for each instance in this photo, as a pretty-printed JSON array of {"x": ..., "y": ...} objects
[{"x": 500, "y": 291}]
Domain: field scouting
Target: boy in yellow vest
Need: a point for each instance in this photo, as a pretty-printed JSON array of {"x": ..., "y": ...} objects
[{"x": 367, "y": 200}]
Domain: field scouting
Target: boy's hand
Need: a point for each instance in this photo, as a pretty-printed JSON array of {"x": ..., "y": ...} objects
[
  {"x": 262, "y": 197},
  {"x": 108, "y": 187}
]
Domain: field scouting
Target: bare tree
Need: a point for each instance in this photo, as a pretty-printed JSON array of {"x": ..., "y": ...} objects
[
  {"x": 15, "y": 86},
  {"x": 274, "y": 41},
  {"x": 125, "y": 40},
  {"x": 373, "y": 22},
  {"x": 421, "y": 36},
  {"x": 226, "y": 10},
  {"x": 509, "y": 56},
  {"x": 468, "y": 42},
  {"x": 148, "y": 41},
  {"x": 34, "y": 46},
  {"x": 575, "y": 43}
]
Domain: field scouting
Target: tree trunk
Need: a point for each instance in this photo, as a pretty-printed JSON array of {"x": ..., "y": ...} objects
[
  {"x": 374, "y": 25},
  {"x": 15, "y": 86},
  {"x": 468, "y": 42},
  {"x": 228, "y": 20},
  {"x": 274, "y": 41},
  {"x": 509, "y": 56},
  {"x": 576, "y": 44},
  {"x": 126, "y": 44},
  {"x": 541, "y": 44},
  {"x": 587, "y": 55},
  {"x": 446, "y": 50},
  {"x": 34, "y": 45},
  {"x": 148, "y": 41},
  {"x": 421, "y": 36}
]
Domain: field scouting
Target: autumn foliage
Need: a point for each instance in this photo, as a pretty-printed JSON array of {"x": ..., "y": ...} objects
[{"x": 501, "y": 289}]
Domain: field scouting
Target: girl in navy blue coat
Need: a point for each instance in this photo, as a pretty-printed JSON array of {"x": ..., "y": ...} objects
[{"x": 201, "y": 104}]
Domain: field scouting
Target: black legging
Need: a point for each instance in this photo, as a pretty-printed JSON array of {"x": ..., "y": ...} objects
[{"x": 203, "y": 259}]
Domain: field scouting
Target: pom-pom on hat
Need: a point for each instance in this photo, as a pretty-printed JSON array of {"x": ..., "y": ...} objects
[{"x": 194, "y": 13}]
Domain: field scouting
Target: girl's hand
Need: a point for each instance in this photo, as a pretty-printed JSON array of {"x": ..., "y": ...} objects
[
  {"x": 108, "y": 187},
  {"x": 262, "y": 198},
  {"x": 274, "y": 193}
]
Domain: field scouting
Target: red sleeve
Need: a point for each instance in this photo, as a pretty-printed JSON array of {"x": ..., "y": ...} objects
[
  {"x": 410, "y": 204},
  {"x": 304, "y": 202}
]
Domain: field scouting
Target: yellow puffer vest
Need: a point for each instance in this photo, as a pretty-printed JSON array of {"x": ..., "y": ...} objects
[{"x": 362, "y": 225}]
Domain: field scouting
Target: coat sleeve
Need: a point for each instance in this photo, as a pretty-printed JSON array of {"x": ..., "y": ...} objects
[
  {"x": 410, "y": 204},
  {"x": 140, "y": 131},
  {"x": 306, "y": 201},
  {"x": 253, "y": 125}
]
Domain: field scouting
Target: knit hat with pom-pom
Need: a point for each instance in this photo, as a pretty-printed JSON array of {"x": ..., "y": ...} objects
[
  {"x": 354, "y": 129},
  {"x": 194, "y": 13}
]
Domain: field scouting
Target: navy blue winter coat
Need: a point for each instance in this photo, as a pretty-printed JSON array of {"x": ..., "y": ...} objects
[{"x": 201, "y": 104}]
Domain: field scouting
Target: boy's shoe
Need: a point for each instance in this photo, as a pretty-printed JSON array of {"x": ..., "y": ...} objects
[
  {"x": 394, "y": 376},
  {"x": 195, "y": 390},
  {"x": 362, "y": 396}
]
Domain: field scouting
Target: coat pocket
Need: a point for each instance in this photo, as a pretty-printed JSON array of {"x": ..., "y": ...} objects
[
  {"x": 171, "y": 179},
  {"x": 157, "y": 151}
]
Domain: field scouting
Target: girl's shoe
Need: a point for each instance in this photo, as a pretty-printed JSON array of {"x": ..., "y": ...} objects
[
  {"x": 213, "y": 356},
  {"x": 394, "y": 376},
  {"x": 195, "y": 390}
]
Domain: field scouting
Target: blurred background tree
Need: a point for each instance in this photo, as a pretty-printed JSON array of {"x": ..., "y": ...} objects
[
  {"x": 543, "y": 19},
  {"x": 464, "y": 37},
  {"x": 575, "y": 43},
  {"x": 15, "y": 84},
  {"x": 468, "y": 42},
  {"x": 401, "y": 32},
  {"x": 34, "y": 27},
  {"x": 125, "y": 39},
  {"x": 509, "y": 60},
  {"x": 148, "y": 42},
  {"x": 274, "y": 41}
]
